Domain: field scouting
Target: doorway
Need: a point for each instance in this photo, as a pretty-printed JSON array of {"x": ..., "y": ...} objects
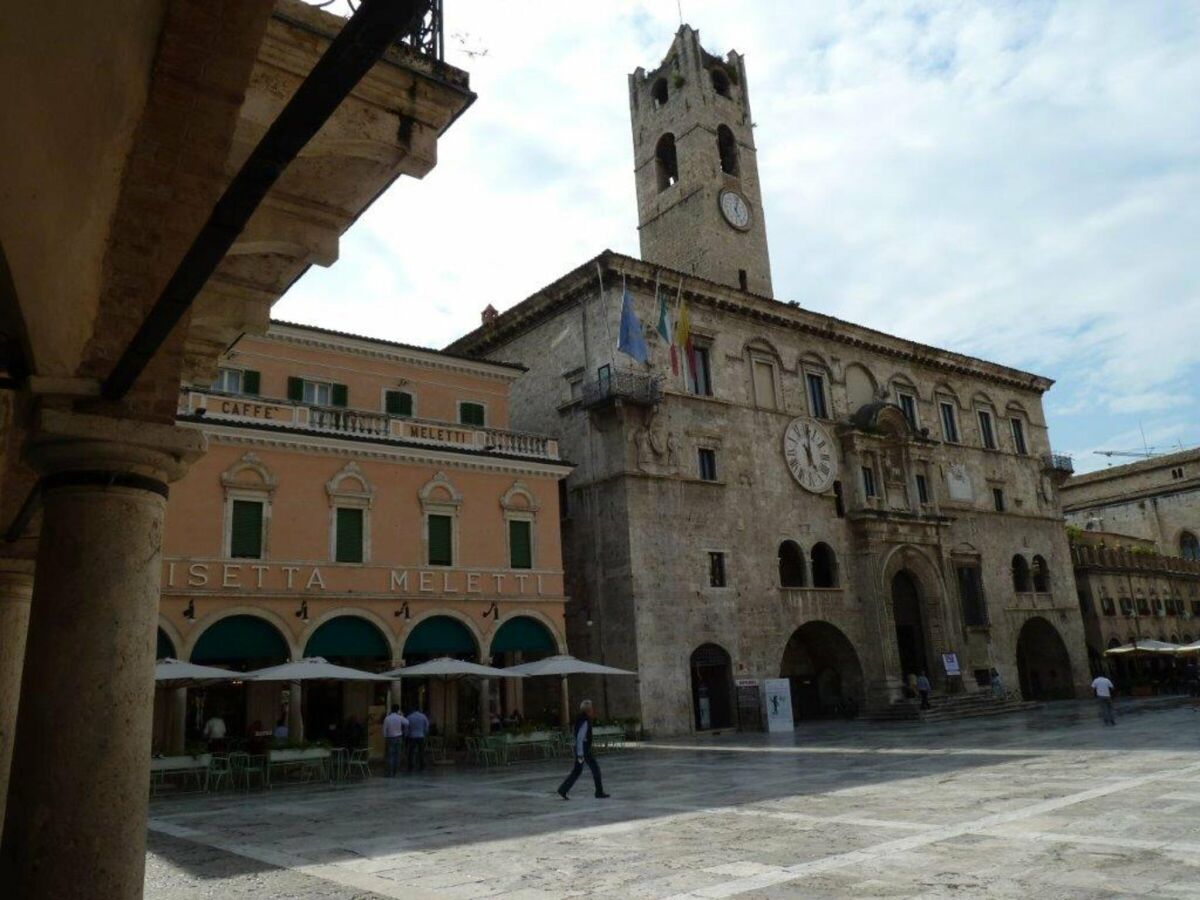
[
  {"x": 712, "y": 688},
  {"x": 910, "y": 626}
]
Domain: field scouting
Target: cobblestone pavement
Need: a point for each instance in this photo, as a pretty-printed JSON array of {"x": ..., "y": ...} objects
[{"x": 1043, "y": 804}]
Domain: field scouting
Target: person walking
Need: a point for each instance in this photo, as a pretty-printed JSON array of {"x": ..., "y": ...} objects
[
  {"x": 583, "y": 753},
  {"x": 393, "y": 734},
  {"x": 1103, "y": 689},
  {"x": 418, "y": 729},
  {"x": 923, "y": 689}
]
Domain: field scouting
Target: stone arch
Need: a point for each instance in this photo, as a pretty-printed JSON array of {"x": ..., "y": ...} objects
[
  {"x": 260, "y": 476},
  {"x": 519, "y": 497},
  {"x": 441, "y": 491},
  {"x": 711, "y": 671},
  {"x": 1040, "y": 573},
  {"x": 943, "y": 391},
  {"x": 791, "y": 565},
  {"x": 269, "y": 619},
  {"x": 505, "y": 629},
  {"x": 930, "y": 589},
  {"x": 171, "y": 633},
  {"x": 1020, "y": 574},
  {"x": 541, "y": 618},
  {"x": 823, "y": 565},
  {"x": 374, "y": 619},
  {"x": 443, "y": 612},
  {"x": 727, "y": 150},
  {"x": 666, "y": 162},
  {"x": 902, "y": 382},
  {"x": 720, "y": 80},
  {"x": 336, "y": 487},
  {"x": 1043, "y": 662},
  {"x": 824, "y": 670},
  {"x": 658, "y": 93}
]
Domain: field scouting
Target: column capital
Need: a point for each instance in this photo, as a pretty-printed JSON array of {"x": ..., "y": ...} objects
[
  {"x": 16, "y": 580},
  {"x": 64, "y": 442}
]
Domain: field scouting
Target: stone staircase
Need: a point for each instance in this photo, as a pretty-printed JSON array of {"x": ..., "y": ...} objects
[{"x": 949, "y": 707}]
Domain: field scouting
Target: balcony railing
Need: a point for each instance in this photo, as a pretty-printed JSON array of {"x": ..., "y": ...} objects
[
  {"x": 625, "y": 387},
  {"x": 426, "y": 36},
  {"x": 1058, "y": 463},
  {"x": 364, "y": 423}
]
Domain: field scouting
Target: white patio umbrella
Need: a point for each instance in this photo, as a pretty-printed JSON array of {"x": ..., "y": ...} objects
[
  {"x": 446, "y": 668},
  {"x": 566, "y": 665},
  {"x": 312, "y": 668},
  {"x": 1146, "y": 646},
  {"x": 175, "y": 673}
]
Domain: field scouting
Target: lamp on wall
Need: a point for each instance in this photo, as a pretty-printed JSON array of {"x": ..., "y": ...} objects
[
  {"x": 302, "y": 612},
  {"x": 493, "y": 611},
  {"x": 190, "y": 612},
  {"x": 403, "y": 611}
]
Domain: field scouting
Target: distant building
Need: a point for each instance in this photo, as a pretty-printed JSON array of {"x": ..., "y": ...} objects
[
  {"x": 362, "y": 501},
  {"x": 803, "y": 497},
  {"x": 1136, "y": 551}
]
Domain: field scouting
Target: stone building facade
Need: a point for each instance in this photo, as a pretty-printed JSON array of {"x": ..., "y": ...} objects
[
  {"x": 809, "y": 498},
  {"x": 365, "y": 502}
]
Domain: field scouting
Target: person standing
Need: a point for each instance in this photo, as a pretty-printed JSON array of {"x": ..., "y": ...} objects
[
  {"x": 214, "y": 733},
  {"x": 1103, "y": 689},
  {"x": 923, "y": 689},
  {"x": 583, "y": 753},
  {"x": 394, "y": 725},
  {"x": 418, "y": 728}
]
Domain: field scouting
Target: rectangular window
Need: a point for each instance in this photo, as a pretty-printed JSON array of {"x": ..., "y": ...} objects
[
  {"x": 868, "y": 477},
  {"x": 520, "y": 544},
  {"x": 839, "y": 502},
  {"x": 764, "y": 384},
  {"x": 238, "y": 381},
  {"x": 908, "y": 405},
  {"x": 707, "y": 459},
  {"x": 1126, "y": 606},
  {"x": 1018, "y": 433},
  {"x": 471, "y": 414},
  {"x": 970, "y": 589},
  {"x": 441, "y": 540},
  {"x": 986, "y": 434},
  {"x": 998, "y": 498},
  {"x": 922, "y": 489},
  {"x": 700, "y": 378},
  {"x": 1196, "y": 607},
  {"x": 604, "y": 378},
  {"x": 348, "y": 541},
  {"x": 817, "y": 406},
  {"x": 1107, "y": 607},
  {"x": 1143, "y": 606},
  {"x": 245, "y": 530},
  {"x": 716, "y": 569},
  {"x": 949, "y": 422},
  {"x": 398, "y": 403},
  {"x": 318, "y": 393}
]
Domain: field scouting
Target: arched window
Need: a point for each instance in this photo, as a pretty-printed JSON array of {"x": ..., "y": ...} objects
[
  {"x": 1189, "y": 546},
  {"x": 1020, "y": 574},
  {"x": 728, "y": 149},
  {"x": 1041, "y": 575},
  {"x": 666, "y": 165},
  {"x": 720, "y": 82},
  {"x": 824, "y": 566},
  {"x": 791, "y": 565},
  {"x": 658, "y": 93}
]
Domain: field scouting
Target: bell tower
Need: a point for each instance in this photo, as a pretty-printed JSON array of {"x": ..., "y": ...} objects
[{"x": 699, "y": 202}]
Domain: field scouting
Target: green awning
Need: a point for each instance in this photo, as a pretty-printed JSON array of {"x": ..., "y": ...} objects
[
  {"x": 240, "y": 638},
  {"x": 525, "y": 635},
  {"x": 440, "y": 636},
  {"x": 165, "y": 647},
  {"x": 348, "y": 636}
]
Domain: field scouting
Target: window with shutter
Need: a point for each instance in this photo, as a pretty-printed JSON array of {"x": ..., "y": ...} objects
[
  {"x": 348, "y": 542},
  {"x": 245, "y": 535},
  {"x": 441, "y": 540},
  {"x": 295, "y": 389},
  {"x": 251, "y": 382},
  {"x": 520, "y": 545},
  {"x": 471, "y": 413},
  {"x": 398, "y": 403},
  {"x": 339, "y": 395}
]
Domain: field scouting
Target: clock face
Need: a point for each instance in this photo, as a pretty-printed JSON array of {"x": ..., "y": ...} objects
[
  {"x": 810, "y": 455},
  {"x": 735, "y": 209}
]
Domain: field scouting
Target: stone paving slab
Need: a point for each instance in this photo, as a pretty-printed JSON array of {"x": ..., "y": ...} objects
[{"x": 1043, "y": 804}]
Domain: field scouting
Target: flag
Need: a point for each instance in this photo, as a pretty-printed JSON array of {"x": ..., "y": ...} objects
[
  {"x": 631, "y": 342},
  {"x": 665, "y": 330},
  {"x": 683, "y": 336}
]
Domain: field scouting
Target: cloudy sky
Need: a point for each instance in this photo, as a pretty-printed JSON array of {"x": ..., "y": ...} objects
[{"x": 1018, "y": 181}]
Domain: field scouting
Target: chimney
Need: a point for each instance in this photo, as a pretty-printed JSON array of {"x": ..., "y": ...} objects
[{"x": 490, "y": 314}]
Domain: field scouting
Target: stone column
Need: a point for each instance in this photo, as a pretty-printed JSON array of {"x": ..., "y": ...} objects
[
  {"x": 16, "y": 587},
  {"x": 295, "y": 712},
  {"x": 77, "y": 797},
  {"x": 394, "y": 695},
  {"x": 565, "y": 700},
  {"x": 485, "y": 706},
  {"x": 179, "y": 708}
]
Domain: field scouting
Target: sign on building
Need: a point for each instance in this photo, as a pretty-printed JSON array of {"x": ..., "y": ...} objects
[{"x": 778, "y": 693}]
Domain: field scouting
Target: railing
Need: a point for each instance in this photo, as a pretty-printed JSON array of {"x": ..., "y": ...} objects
[
  {"x": 627, "y": 387},
  {"x": 348, "y": 421},
  {"x": 1084, "y": 556},
  {"x": 514, "y": 442},
  {"x": 1059, "y": 463},
  {"x": 426, "y": 37}
]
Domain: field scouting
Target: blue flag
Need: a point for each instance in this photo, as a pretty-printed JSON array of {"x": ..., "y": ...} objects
[{"x": 632, "y": 342}]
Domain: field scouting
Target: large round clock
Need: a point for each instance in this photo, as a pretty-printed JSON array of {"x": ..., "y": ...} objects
[
  {"x": 735, "y": 209},
  {"x": 810, "y": 455}
]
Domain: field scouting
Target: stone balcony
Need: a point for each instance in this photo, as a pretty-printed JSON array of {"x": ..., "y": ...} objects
[
  {"x": 813, "y": 602},
  {"x": 360, "y": 423},
  {"x": 1035, "y": 600}
]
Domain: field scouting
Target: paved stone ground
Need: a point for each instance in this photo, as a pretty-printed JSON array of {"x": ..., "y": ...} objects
[{"x": 1045, "y": 804}]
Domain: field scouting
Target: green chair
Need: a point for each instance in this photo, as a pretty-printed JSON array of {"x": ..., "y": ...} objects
[
  {"x": 359, "y": 763},
  {"x": 219, "y": 770},
  {"x": 245, "y": 767},
  {"x": 482, "y": 751}
]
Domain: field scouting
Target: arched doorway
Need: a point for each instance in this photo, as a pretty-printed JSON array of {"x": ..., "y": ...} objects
[
  {"x": 242, "y": 643},
  {"x": 164, "y": 648},
  {"x": 910, "y": 624},
  {"x": 523, "y": 639},
  {"x": 338, "y": 711},
  {"x": 712, "y": 688},
  {"x": 452, "y": 705},
  {"x": 824, "y": 671},
  {"x": 1043, "y": 664}
]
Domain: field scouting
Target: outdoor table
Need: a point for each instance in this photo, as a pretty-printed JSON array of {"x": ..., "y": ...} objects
[
  {"x": 543, "y": 742},
  {"x": 306, "y": 759},
  {"x": 608, "y": 736},
  {"x": 339, "y": 763},
  {"x": 162, "y": 766}
]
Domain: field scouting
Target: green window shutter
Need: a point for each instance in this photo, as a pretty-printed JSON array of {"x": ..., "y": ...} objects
[
  {"x": 339, "y": 395},
  {"x": 245, "y": 535},
  {"x": 349, "y": 539},
  {"x": 251, "y": 382},
  {"x": 470, "y": 413},
  {"x": 441, "y": 542},
  {"x": 520, "y": 545},
  {"x": 398, "y": 403},
  {"x": 295, "y": 389}
]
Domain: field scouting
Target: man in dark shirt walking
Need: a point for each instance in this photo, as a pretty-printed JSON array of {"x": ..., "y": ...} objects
[{"x": 583, "y": 752}]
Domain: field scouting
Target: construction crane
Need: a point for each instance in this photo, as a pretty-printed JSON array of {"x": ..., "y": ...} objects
[{"x": 1137, "y": 454}]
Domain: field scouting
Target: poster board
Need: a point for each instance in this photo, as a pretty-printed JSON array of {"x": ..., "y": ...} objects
[
  {"x": 778, "y": 694},
  {"x": 950, "y": 664},
  {"x": 749, "y": 705}
]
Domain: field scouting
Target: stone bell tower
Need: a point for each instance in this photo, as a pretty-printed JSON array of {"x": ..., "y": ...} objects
[{"x": 699, "y": 203}]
